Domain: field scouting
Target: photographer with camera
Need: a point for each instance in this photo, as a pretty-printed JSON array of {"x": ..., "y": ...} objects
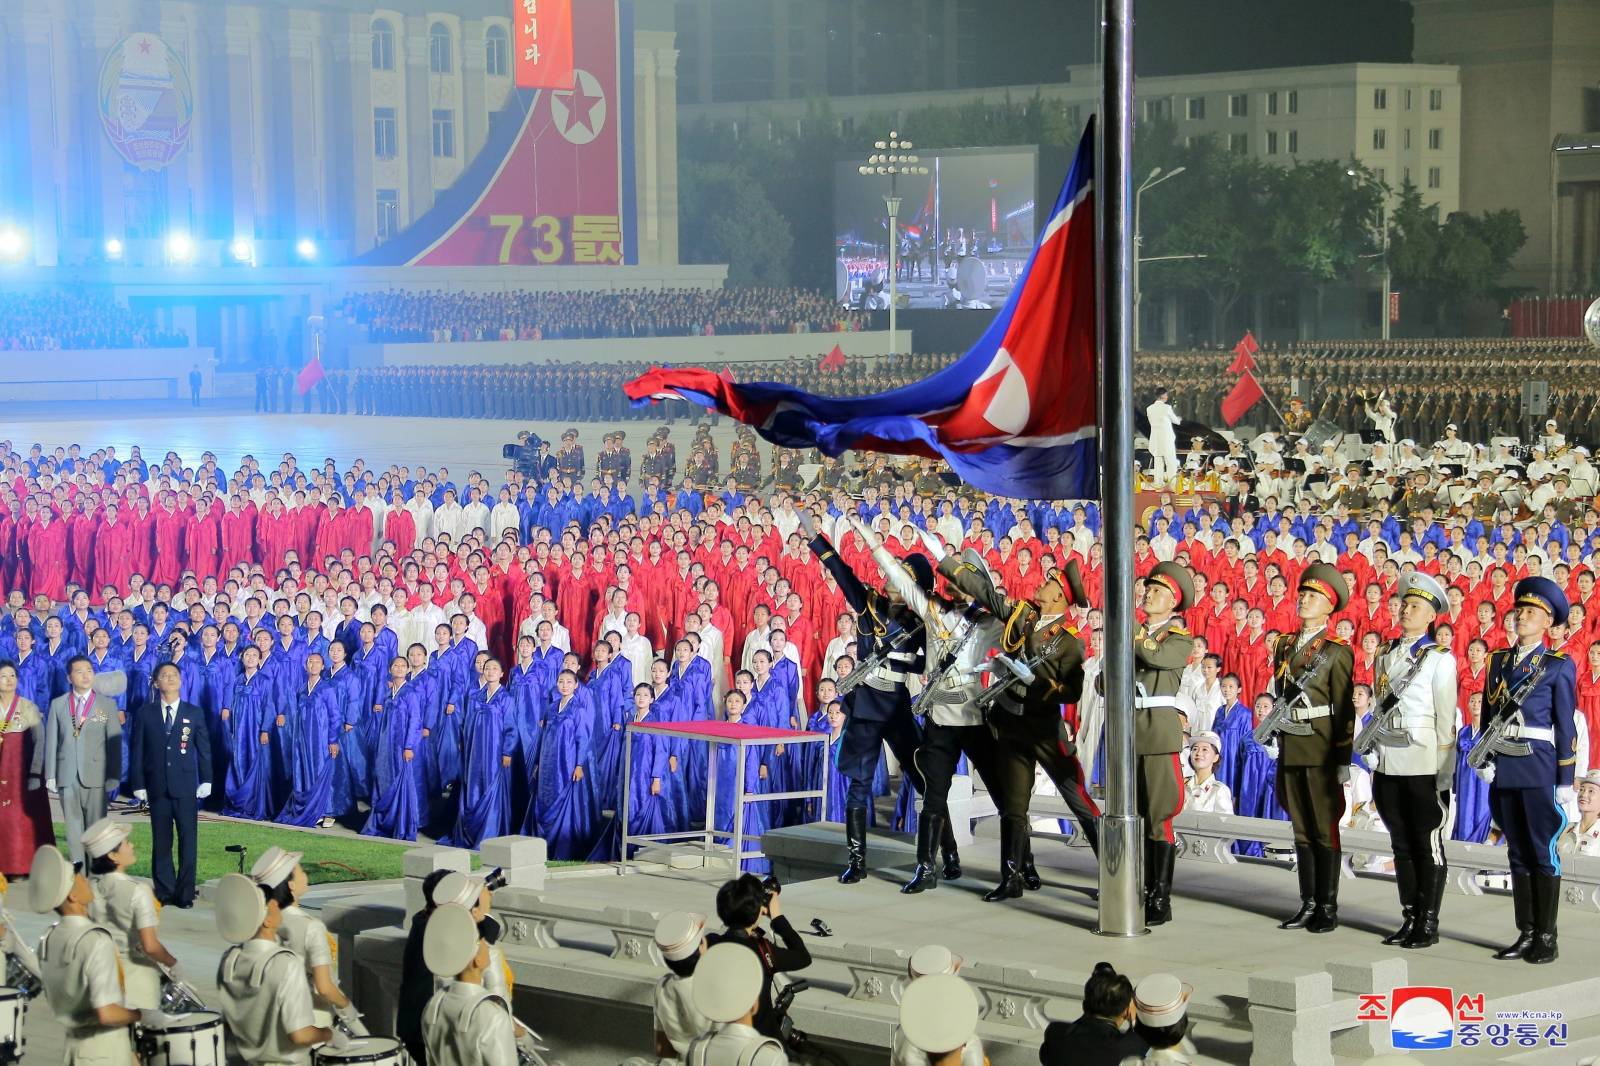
[{"x": 741, "y": 904}]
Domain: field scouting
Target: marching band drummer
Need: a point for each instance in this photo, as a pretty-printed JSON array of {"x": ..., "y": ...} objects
[
  {"x": 473, "y": 893},
  {"x": 128, "y": 908},
  {"x": 306, "y": 936},
  {"x": 1411, "y": 785},
  {"x": 13, "y": 949},
  {"x": 78, "y": 961},
  {"x": 261, "y": 987},
  {"x": 464, "y": 1024}
]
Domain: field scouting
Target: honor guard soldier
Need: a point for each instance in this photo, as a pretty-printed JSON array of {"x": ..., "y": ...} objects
[
  {"x": 78, "y": 964},
  {"x": 786, "y": 469},
  {"x": 927, "y": 481},
  {"x": 879, "y": 706},
  {"x": 1161, "y": 650},
  {"x": 569, "y": 458},
  {"x": 128, "y": 909},
  {"x": 1026, "y": 717},
  {"x": 727, "y": 989},
  {"x": 1314, "y": 668},
  {"x": 1416, "y": 757},
  {"x": 464, "y": 1024},
  {"x": 261, "y": 987},
  {"x": 307, "y": 937},
  {"x": 1535, "y": 689}
]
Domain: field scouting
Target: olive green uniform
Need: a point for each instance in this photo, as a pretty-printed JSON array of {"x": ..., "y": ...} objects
[{"x": 1159, "y": 657}]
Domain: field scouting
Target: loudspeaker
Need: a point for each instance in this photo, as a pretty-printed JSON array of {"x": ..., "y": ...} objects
[{"x": 1536, "y": 398}]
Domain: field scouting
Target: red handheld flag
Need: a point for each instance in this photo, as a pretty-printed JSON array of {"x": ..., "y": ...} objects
[
  {"x": 309, "y": 375},
  {"x": 1246, "y": 393},
  {"x": 834, "y": 360},
  {"x": 1243, "y": 354}
]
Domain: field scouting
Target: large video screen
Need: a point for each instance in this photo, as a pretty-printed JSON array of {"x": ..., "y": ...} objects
[{"x": 965, "y": 229}]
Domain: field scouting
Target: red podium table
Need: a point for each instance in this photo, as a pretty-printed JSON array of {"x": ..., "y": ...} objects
[{"x": 742, "y": 737}]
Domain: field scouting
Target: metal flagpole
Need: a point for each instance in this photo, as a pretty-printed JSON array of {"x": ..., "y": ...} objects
[{"x": 1121, "y": 834}]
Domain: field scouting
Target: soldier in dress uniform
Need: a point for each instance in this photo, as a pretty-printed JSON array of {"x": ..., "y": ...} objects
[
  {"x": 1161, "y": 650},
  {"x": 786, "y": 469},
  {"x": 569, "y": 458},
  {"x": 78, "y": 963},
  {"x": 1312, "y": 768},
  {"x": 879, "y": 708},
  {"x": 128, "y": 909},
  {"x": 1530, "y": 795},
  {"x": 926, "y": 480},
  {"x": 261, "y": 986},
  {"x": 1026, "y": 720},
  {"x": 1298, "y": 419},
  {"x": 464, "y": 1024},
  {"x": 1411, "y": 783},
  {"x": 307, "y": 937}
]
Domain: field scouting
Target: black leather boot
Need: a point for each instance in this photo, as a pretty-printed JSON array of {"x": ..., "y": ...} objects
[
  {"x": 952, "y": 857},
  {"x": 1325, "y": 918},
  {"x": 926, "y": 876},
  {"x": 1305, "y": 868},
  {"x": 1430, "y": 897},
  {"x": 1012, "y": 840},
  {"x": 1405, "y": 877},
  {"x": 1158, "y": 902},
  {"x": 1522, "y": 907},
  {"x": 1030, "y": 873},
  {"x": 855, "y": 842},
  {"x": 1546, "y": 900}
]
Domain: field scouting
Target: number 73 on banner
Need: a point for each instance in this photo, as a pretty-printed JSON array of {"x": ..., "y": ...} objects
[{"x": 591, "y": 238}]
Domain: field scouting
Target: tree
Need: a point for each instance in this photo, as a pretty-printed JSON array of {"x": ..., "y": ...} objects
[
  {"x": 724, "y": 216},
  {"x": 1445, "y": 266},
  {"x": 1322, "y": 219}
]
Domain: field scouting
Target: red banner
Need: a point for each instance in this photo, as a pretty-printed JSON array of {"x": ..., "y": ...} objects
[
  {"x": 556, "y": 197},
  {"x": 543, "y": 41}
]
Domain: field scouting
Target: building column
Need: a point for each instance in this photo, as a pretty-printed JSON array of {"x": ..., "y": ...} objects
[
  {"x": 472, "y": 118},
  {"x": 351, "y": 152},
  {"x": 308, "y": 168},
  {"x": 416, "y": 120},
  {"x": 242, "y": 42},
  {"x": 44, "y": 119}
]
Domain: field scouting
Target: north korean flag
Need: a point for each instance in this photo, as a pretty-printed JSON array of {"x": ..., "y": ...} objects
[{"x": 1015, "y": 415}]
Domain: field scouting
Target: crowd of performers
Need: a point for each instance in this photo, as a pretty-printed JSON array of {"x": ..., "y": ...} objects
[{"x": 397, "y": 650}]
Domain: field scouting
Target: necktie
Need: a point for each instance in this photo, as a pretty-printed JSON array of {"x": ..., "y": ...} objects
[{"x": 167, "y": 711}]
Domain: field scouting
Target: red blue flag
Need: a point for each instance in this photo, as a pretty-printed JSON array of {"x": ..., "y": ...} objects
[{"x": 1015, "y": 415}]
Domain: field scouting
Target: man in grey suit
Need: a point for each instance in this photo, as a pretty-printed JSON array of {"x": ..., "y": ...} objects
[{"x": 82, "y": 753}]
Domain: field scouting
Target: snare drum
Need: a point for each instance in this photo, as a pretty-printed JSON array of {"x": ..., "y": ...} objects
[
  {"x": 13, "y": 1017},
  {"x": 368, "y": 1050},
  {"x": 186, "y": 1040}
]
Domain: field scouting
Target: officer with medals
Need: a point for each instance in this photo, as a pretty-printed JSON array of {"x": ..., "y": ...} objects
[
  {"x": 1313, "y": 767},
  {"x": 1026, "y": 719},
  {"x": 1415, "y": 767},
  {"x": 78, "y": 963},
  {"x": 1161, "y": 651},
  {"x": 1530, "y": 795},
  {"x": 569, "y": 458},
  {"x": 307, "y": 937},
  {"x": 262, "y": 992},
  {"x": 464, "y": 1024},
  {"x": 960, "y": 639},
  {"x": 879, "y": 707}
]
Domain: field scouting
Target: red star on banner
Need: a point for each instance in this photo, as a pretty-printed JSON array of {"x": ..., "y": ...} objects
[
  {"x": 581, "y": 105},
  {"x": 145, "y": 45}
]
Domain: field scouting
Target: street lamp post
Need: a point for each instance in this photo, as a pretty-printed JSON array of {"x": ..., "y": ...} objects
[
  {"x": 1383, "y": 244},
  {"x": 1155, "y": 178},
  {"x": 893, "y": 158}
]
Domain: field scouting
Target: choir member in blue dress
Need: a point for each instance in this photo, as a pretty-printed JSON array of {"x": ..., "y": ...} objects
[
  {"x": 1257, "y": 796},
  {"x": 218, "y": 671},
  {"x": 1232, "y": 724},
  {"x": 35, "y": 671},
  {"x": 547, "y": 657},
  {"x": 58, "y": 650},
  {"x": 396, "y": 803},
  {"x": 386, "y": 639},
  {"x": 838, "y": 783},
  {"x": 279, "y": 671},
  {"x": 245, "y": 717},
  {"x": 691, "y": 677},
  {"x": 755, "y": 781},
  {"x": 563, "y": 811},
  {"x": 187, "y": 660},
  {"x": 371, "y": 673},
  {"x": 1472, "y": 795},
  {"x": 345, "y": 691},
  {"x": 316, "y": 721},
  {"x": 452, "y": 663},
  {"x": 609, "y": 684},
  {"x": 489, "y": 744},
  {"x": 528, "y": 699},
  {"x": 104, "y": 661},
  {"x": 649, "y": 785},
  {"x": 666, "y": 705}
]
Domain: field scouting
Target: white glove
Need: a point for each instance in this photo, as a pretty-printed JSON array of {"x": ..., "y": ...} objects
[
  {"x": 1485, "y": 774},
  {"x": 139, "y": 795},
  {"x": 808, "y": 524},
  {"x": 50, "y": 786},
  {"x": 1445, "y": 778},
  {"x": 1567, "y": 800},
  {"x": 175, "y": 971},
  {"x": 339, "y": 1040},
  {"x": 203, "y": 791},
  {"x": 1343, "y": 773},
  {"x": 154, "y": 1019}
]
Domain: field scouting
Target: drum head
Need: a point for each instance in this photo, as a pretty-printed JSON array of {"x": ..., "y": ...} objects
[
  {"x": 193, "y": 1022},
  {"x": 11, "y": 993},
  {"x": 376, "y": 1050}
]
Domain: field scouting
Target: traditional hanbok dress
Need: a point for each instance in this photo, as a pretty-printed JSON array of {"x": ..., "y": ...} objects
[
  {"x": 1233, "y": 726},
  {"x": 1257, "y": 794},
  {"x": 1472, "y": 795},
  {"x": 489, "y": 737},
  {"x": 564, "y": 811},
  {"x": 649, "y": 795},
  {"x": 455, "y": 681},
  {"x": 24, "y": 804},
  {"x": 396, "y": 784},
  {"x": 250, "y": 710},
  {"x": 756, "y": 819},
  {"x": 528, "y": 700},
  {"x": 610, "y": 694},
  {"x": 693, "y": 704},
  {"x": 219, "y": 674},
  {"x": 315, "y": 721},
  {"x": 370, "y": 669},
  {"x": 345, "y": 692}
]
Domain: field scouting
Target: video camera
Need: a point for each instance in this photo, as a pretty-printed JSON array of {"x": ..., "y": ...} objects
[{"x": 524, "y": 454}]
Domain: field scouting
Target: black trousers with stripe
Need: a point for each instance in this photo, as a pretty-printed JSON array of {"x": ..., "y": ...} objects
[{"x": 1413, "y": 811}]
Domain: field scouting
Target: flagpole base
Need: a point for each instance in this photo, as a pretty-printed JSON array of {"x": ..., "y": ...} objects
[{"x": 1121, "y": 911}]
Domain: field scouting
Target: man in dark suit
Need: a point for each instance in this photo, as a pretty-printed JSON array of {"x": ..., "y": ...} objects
[{"x": 170, "y": 756}]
